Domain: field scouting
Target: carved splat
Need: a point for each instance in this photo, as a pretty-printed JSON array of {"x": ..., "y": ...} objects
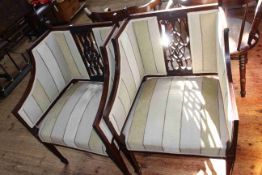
[
  {"x": 89, "y": 51},
  {"x": 177, "y": 48}
]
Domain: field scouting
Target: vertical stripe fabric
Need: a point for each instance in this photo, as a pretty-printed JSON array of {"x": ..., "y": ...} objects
[
  {"x": 141, "y": 54},
  {"x": 222, "y": 73},
  {"x": 180, "y": 115},
  {"x": 203, "y": 40},
  {"x": 58, "y": 61},
  {"x": 70, "y": 121},
  {"x": 149, "y": 43}
]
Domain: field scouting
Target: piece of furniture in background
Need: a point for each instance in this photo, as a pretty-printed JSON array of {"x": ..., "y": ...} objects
[
  {"x": 42, "y": 17},
  {"x": 68, "y": 9},
  {"x": 119, "y": 15},
  {"x": 167, "y": 101},
  {"x": 13, "y": 68},
  {"x": 243, "y": 37}
]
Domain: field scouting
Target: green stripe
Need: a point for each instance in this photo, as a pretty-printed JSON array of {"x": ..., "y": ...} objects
[{"x": 137, "y": 129}]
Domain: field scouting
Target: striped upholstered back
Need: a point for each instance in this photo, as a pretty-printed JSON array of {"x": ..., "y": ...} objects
[
  {"x": 208, "y": 51},
  {"x": 203, "y": 33},
  {"x": 57, "y": 62},
  {"x": 140, "y": 54}
]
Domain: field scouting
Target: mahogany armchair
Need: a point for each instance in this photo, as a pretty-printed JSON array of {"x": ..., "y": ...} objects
[
  {"x": 66, "y": 96},
  {"x": 109, "y": 15},
  {"x": 177, "y": 98}
]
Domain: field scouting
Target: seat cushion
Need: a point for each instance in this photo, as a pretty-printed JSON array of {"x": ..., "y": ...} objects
[
  {"x": 70, "y": 120},
  {"x": 234, "y": 25},
  {"x": 179, "y": 115}
]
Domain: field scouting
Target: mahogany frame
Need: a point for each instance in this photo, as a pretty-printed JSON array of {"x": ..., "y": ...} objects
[
  {"x": 111, "y": 148},
  {"x": 120, "y": 139}
]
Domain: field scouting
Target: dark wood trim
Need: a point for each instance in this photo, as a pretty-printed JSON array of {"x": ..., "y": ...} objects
[
  {"x": 231, "y": 146},
  {"x": 180, "y": 155},
  {"x": 80, "y": 27},
  {"x": 102, "y": 104},
  {"x": 175, "y": 12}
]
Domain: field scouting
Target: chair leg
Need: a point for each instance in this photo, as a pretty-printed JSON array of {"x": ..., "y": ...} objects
[
  {"x": 131, "y": 157},
  {"x": 242, "y": 72},
  {"x": 53, "y": 149},
  {"x": 114, "y": 154},
  {"x": 229, "y": 165}
]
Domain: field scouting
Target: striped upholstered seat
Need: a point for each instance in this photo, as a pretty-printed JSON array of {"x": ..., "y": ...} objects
[
  {"x": 70, "y": 120},
  {"x": 180, "y": 115}
]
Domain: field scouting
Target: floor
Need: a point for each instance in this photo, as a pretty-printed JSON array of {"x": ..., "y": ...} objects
[{"x": 21, "y": 154}]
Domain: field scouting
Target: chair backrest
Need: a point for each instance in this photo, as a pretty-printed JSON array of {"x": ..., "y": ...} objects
[
  {"x": 57, "y": 61},
  {"x": 120, "y": 15},
  {"x": 139, "y": 52}
]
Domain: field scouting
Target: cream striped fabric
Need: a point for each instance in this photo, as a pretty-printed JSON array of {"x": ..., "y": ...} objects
[
  {"x": 141, "y": 54},
  {"x": 199, "y": 24},
  {"x": 203, "y": 40},
  {"x": 70, "y": 120},
  {"x": 180, "y": 115},
  {"x": 222, "y": 73},
  {"x": 57, "y": 63}
]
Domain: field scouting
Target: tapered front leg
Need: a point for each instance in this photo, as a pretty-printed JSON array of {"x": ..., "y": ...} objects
[
  {"x": 229, "y": 165},
  {"x": 53, "y": 149}
]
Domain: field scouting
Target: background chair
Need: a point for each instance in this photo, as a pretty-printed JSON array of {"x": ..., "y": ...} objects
[
  {"x": 243, "y": 36},
  {"x": 108, "y": 15}
]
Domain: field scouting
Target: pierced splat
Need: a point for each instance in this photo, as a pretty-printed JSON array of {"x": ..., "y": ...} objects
[
  {"x": 177, "y": 48},
  {"x": 89, "y": 51}
]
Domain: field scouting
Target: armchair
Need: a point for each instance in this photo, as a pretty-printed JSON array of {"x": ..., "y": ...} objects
[
  {"x": 66, "y": 95},
  {"x": 167, "y": 101}
]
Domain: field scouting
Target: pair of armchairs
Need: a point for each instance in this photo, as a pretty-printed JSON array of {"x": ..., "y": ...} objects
[{"x": 106, "y": 90}]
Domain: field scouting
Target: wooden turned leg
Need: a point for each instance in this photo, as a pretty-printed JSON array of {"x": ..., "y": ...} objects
[
  {"x": 53, "y": 149},
  {"x": 229, "y": 165},
  {"x": 242, "y": 71}
]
